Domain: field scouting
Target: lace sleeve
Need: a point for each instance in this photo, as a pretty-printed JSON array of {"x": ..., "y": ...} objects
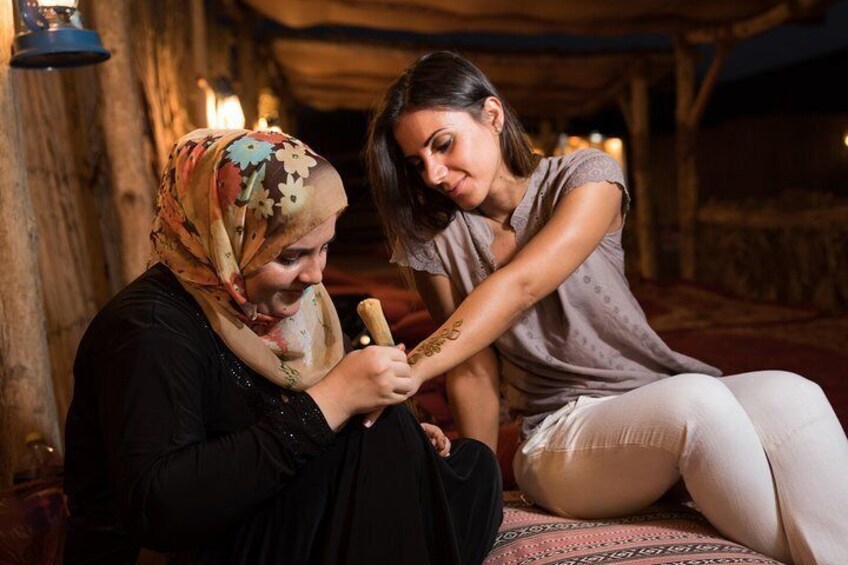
[
  {"x": 591, "y": 165},
  {"x": 419, "y": 256}
]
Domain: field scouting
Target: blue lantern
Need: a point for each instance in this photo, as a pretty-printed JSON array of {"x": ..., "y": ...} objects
[{"x": 53, "y": 37}]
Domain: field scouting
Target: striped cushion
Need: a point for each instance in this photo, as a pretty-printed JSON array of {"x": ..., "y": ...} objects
[{"x": 667, "y": 534}]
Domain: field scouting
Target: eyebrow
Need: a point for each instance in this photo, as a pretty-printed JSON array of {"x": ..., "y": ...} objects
[
  {"x": 294, "y": 250},
  {"x": 426, "y": 142}
]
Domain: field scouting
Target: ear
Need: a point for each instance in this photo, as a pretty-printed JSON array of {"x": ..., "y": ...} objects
[{"x": 493, "y": 113}]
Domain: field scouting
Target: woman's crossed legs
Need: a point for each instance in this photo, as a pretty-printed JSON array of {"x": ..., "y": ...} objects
[{"x": 762, "y": 454}]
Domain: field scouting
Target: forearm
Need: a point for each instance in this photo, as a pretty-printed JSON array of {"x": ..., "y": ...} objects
[
  {"x": 475, "y": 404},
  {"x": 190, "y": 493},
  {"x": 478, "y": 321}
]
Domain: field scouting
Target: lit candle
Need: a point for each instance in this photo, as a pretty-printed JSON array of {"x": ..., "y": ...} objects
[{"x": 57, "y": 3}]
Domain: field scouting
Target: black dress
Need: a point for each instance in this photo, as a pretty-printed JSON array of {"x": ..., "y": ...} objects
[{"x": 173, "y": 444}]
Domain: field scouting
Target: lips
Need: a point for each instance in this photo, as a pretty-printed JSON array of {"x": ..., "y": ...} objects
[{"x": 451, "y": 190}]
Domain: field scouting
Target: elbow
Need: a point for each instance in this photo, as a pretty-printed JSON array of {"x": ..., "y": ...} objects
[
  {"x": 154, "y": 530},
  {"x": 156, "y": 520},
  {"x": 527, "y": 295}
]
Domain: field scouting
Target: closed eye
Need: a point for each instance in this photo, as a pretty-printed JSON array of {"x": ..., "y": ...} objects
[
  {"x": 443, "y": 147},
  {"x": 288, "y": 261}
]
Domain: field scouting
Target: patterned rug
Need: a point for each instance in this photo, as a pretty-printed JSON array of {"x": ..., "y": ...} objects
[{"x": 658, "y": 535}]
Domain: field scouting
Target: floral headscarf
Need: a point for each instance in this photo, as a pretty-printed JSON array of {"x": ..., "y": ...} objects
[{"x": 230, "y": 201}]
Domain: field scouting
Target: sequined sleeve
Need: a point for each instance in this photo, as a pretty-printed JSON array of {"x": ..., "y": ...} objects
[{"x": 301, "y": 427}]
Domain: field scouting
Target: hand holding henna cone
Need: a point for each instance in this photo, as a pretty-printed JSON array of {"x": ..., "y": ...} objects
[{"x": 371, "y": 312}]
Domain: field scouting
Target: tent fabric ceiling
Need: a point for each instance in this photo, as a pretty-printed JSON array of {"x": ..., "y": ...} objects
[
  {"x": 335, "y": 74},
  {"x": 342, "y": 75},
  {"x": 596, "y": 17}
]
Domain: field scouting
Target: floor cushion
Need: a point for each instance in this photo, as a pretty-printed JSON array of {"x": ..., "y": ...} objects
[{"x": 661, "y": 534}]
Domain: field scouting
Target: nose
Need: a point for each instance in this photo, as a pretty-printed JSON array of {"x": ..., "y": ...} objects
[
  {"x": 313, "y": 270},
  {"x": 434, "y": 173}
]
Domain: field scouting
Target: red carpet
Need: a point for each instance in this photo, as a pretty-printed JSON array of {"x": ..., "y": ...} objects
[
  {"x": 742, "y": 353},
  {"x": 738, "y": 336}
]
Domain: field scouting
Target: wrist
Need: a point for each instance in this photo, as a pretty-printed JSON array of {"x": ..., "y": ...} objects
[
  {"x": 331, "y": 402},
  {"x": 418, "y": 374}
]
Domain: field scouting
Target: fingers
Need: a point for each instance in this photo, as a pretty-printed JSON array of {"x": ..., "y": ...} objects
[
  {"x": 371, "y": 418},
  {"x": 390, "y": 379},
  {"x": 395, "y": 353},
  {"x": 438, "y": 439},
  {"x": 446, "y": 447}
]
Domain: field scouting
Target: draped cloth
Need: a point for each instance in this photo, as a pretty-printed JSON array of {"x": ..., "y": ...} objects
[{"x": 229, "y": 202}]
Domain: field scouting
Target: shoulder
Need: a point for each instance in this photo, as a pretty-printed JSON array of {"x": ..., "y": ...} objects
[
  {"x": 154, "y": 307},
  {"x": 562, "y": 174},
  {"x": 584, "y": 166}
]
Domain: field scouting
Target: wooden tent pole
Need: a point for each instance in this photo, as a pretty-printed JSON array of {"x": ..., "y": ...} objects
[
  {"x": 27, "y": 403},
  {"x": 722, "y": 50},
  {"x": 690, "y": 108},
  {"x": 133, "y": 182},
  {"x": 249, "y": 72},
  {"x": 277, "y": 82},
  {"x": 200, "y": 60},
  {"x": 641, "y": 142},
  {"x": 687, "y": 179}
]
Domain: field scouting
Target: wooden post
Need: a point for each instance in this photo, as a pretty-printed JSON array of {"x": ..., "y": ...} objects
[
  {"x": 687, "y": 177},
  {"x": 132, "y": 180},
  {"x": 248, "y": 73},
  {"x": 200, "y": 60},
  {"x": 26, "y": 393},
  {"x": 641, "y": 143},
  {"x": 689, "y": 110},
  {"x": 277, "y": 82}
]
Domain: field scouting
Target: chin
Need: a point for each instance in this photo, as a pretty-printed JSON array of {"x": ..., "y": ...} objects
[
  {"x": 467, "y": 202},
  {"x": 286, "y": 311},
  {"x": 291, "y": 310}
]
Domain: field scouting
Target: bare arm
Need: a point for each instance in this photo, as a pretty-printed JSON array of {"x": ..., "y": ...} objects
[
  {"x": 576, "y": 228},
  {"x": 472, "y": 386}
]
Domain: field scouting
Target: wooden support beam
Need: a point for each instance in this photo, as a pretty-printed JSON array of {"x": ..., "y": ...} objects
[
  {"x": 279, "y": 84},
  {"x": 687, "y": 177},
  {"x": 200, "y": 61},
  {"x": 27, "y": 402},
  {"x": 777, "y": 15},
  {"x": 248, "y": 72},
  {"x": 133, "y": 182},
  {"x": 689, "y": 110},
  {"x": 641, "y": 142},
  {"x": 625, "y": 107},
  {"x": 722, "y": 50}
]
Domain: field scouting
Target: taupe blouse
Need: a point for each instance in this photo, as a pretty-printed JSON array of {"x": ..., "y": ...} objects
[{"x": 589, "y": 336}]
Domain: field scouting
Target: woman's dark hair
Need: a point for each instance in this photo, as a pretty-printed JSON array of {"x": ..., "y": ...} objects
[{"x": 443, "y": 80}]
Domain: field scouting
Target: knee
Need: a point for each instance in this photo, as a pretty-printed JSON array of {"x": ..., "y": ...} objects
[
  {"x": 783, "y": 390},
  {"x": 698, "y": 398},
  {"x": 699, "y": 411},
  {"x": 485, "y": 462}
]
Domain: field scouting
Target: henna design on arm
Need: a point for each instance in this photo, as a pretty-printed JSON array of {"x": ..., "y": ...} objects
[{"x": 433, "y": 345}]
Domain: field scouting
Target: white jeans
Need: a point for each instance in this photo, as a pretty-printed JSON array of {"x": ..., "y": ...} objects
[{"x": 762, "y": 455}]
